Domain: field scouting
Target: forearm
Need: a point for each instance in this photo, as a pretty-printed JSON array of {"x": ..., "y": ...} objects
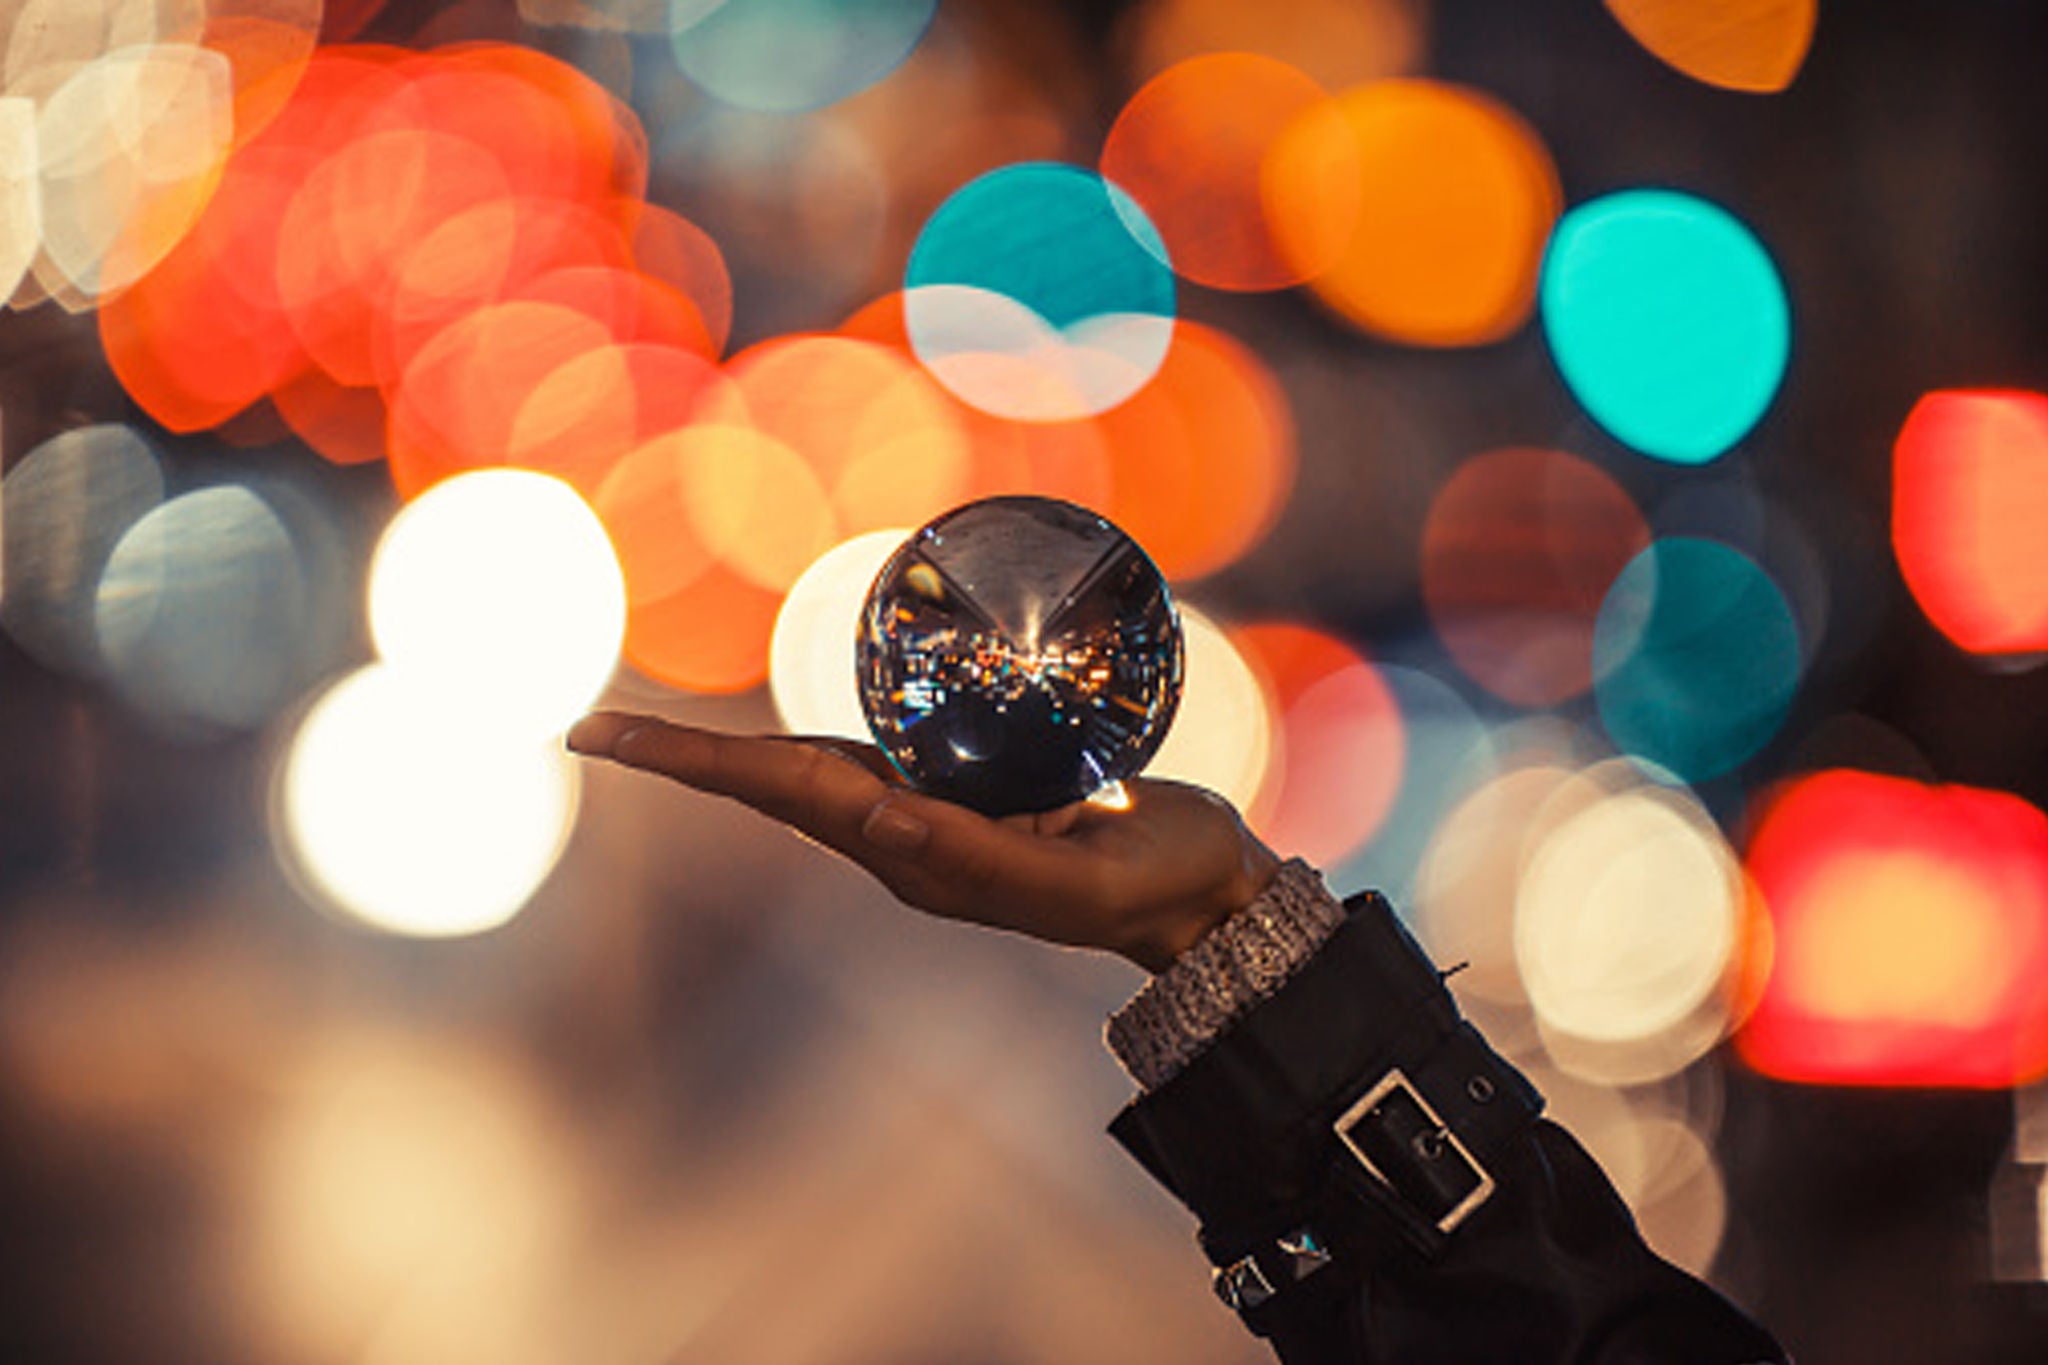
[{"x": 1487, "y": 1235}]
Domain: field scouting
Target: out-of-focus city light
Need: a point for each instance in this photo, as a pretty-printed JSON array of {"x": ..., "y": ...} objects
[
  {"x": 1969, "y": 499},
  {"x": 63, "y": 508},
  {"x": 1733, "y": 44},
  {"x": 1222, "y": 733},
  {"x": 1446, "y": 751},
  {"x": 787, "y": 56},
  {"x": 1908, "y": 934},
  {"x": 1626, "y": 926},
  {"x": 1201, "y": 459},
  {"x": 1696, "y": 657},
  {"x": 460, "y": 400},
  {"x": 1338, "y": 748},
  {"x": 130, "y": 147},
  {"x": 877, "y": 436},
  {"x": 597, "y": 406},
  {"x": 1463, "y": 907},
  {"x": 1520, "y": 548},
  {"x": 204, "y": 612},
  {"x": 1065, "y": 459},
  {"x": 1193, "y": 148},
  {"x": 1668, "y": 320},
  {"x": 402, "y": 807},
  {"x": 693, "y": 621},
  {"x": 499, "y": 592},
  {"x": 671, "y": 248},
  {"x": 1458, "y": 197},
  {"x": 398, "y": 1187},
  {"x": 1040, "y": 291},
  {"x": 21, "y": 200},
  {"x": 811, "y": 655},
  {"x": 1339, "y": 43}
]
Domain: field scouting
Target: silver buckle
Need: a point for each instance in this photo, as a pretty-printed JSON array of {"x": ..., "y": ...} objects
[
  {"x": 1242, "y": 1284},
  {"x": 1439, "y": 1137}
]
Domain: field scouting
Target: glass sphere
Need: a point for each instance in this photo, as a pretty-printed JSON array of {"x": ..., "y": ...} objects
[{"x": 1017, "y": 654}]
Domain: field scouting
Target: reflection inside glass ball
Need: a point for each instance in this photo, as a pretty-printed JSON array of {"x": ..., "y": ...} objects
[{"x": 1017, "y": 654}]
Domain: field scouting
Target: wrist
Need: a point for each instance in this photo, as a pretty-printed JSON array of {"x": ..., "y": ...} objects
[
  {"x": 1177, "y": 929},
  {"x": 1176, "y": 1015}
]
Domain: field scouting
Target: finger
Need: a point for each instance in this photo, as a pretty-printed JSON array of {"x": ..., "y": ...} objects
[
  {"x": 805, "y": 785},
  {"x": 596, "y": 733},
  {"x": 866, "y": 755},
  {"x": 1048, "y": 824},
  {"x": 939, "y": 856}
]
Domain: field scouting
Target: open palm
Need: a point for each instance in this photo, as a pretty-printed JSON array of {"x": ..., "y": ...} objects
[{"x": 1144, "y": 882}]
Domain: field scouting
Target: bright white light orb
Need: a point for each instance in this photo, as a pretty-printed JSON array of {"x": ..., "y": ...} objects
[
  {"x": 418, "y": 820},
  {"x": 1626, "y": 918},
  {"x": 1222, "y": 735},
  {"x": 499, "y": 591},
  {"x": 811, "y": 656}
]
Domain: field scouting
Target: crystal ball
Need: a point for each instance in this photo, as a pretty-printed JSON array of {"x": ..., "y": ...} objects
[{"x": 1018, "y": 654}]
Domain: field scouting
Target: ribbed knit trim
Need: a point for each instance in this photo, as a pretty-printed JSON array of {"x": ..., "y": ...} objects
[{"x": 1236, "y": 965}]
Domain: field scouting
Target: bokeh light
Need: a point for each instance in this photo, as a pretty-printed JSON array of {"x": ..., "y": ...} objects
[
  {"x": 204, "y": 613},
  {"x": 458, "y": 406},
  {"x": 1969, "y": 499},
  {"x": 402, "y": 807},
  {"x": 1064, "y": 459},
  {"x": 131, "y": 145},
  {"x": 21, "y": 200},
  {"x": 1733, "y": 44},
  {"x": 1626, "y": 924},
  {"x": 1459, "y": 195},
  {"x": 1201, "y": 459},
  {"x": 1446, "y": 751},
  {"x": 874, "y": 432},
  {"x": 1909, "y": 934},
  {"x": 1696, "y": 657},
  {"x": 787, "y": 56},
  {"x": 64, "y": 506},
  {"x": 1040, "y": 291},
  {"x": 407, "y": 1185},
  {"x": 599, "y": 405},
  {"x": 1222, "y": 732},
  {"x": 1463, "y": 908},
  {"x": 1668, "y": 321},
  {"x": 1339, "y": 43},
  {"x": 1192, "y": 148},
  {"x": 499, "y": 592},
  {"x": 811, "y": 655},
  {"x": 1520, "y": 548},
  {"x": 692, "y": 621},
  {"x": 1338, "y": 748}
]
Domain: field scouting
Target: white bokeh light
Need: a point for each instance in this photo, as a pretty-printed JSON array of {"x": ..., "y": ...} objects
[
  {"x": 1223, "y": 732},
  {"x": 499, "y": 590},
  {"x": 1626, "y": 919},
  {"x": 811, "y": 668},
  {"x": 418, "y": 820}
]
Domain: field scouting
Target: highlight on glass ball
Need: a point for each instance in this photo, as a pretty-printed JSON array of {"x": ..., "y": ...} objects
[{"x": 1018, "y": 654}]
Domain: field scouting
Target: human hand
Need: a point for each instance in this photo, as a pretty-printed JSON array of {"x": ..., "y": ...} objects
[{"x": 1144, "y": 882}]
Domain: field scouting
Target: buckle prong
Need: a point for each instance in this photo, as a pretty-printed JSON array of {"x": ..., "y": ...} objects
[{"x": 1430, "y": 1144}]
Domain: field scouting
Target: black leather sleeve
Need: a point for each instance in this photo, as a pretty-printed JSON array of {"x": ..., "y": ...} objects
[{"x": 1376, "y": 1186}]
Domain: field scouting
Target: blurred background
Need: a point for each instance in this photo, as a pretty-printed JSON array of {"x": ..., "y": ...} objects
[{"x": 1600, "y": 450}]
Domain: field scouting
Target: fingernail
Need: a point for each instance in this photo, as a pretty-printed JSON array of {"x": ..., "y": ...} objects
[
  {"x": 622, "y": 743},
  {"x": 888, "y": 826}
]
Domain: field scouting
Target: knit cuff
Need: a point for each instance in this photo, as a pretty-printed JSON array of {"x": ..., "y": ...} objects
[{"x": 1232, "y": 968}]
